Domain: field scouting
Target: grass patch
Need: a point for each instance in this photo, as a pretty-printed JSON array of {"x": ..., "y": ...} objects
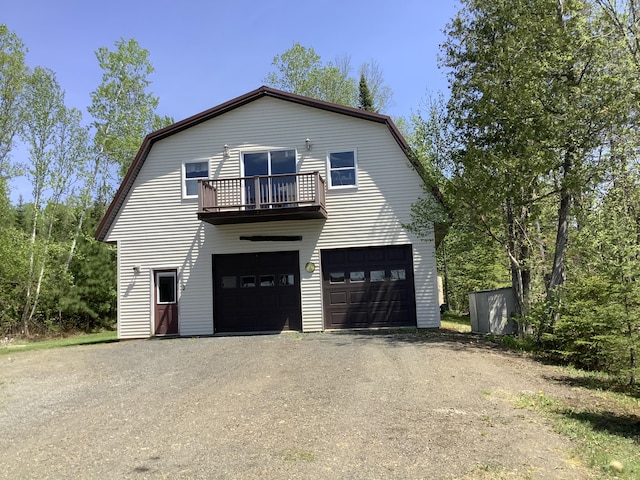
[
  {"x": 84, "y": 339},
  {"x": 514, "y": 342},
  {"x": 606, "y": 432},
  {"x": 601, "y": 382},
  {"x": 455, "y": 322}
]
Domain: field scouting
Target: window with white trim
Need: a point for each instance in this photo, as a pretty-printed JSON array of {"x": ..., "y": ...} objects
[
  {"x": 342, "y": 169},
  {"x": 191, "y": 173}
]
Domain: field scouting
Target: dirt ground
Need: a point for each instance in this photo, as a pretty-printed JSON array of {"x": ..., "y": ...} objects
[{"x": 307, "y": 406}]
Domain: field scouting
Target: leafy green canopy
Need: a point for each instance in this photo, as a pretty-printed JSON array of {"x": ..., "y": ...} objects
[
  {"x": 123, "y": 110},
  {"x": 533, "y": 94},
  {"x": 53, "y": 275},
  {"x": 300, "y": 70},
  {"x": 13, "y": 74}
]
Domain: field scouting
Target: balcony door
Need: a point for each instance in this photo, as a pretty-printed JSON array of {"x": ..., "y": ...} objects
[{"x": 274, "y": 188}]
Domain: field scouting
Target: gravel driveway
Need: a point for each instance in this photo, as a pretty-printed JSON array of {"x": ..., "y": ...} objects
[{"x": 307, "y": 406}]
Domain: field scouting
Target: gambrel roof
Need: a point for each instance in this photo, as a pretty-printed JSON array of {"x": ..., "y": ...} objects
[{"x": 263, "y": 91}]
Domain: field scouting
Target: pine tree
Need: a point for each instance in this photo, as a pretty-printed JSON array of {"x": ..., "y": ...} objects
[
  {"x": 19, "y": 215},
  {"x": 365, "y": 100},
  {"x": 599, "y": 323}
]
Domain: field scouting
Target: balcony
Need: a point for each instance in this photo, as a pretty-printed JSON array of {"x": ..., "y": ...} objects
[{"x": 262, "y": 198}]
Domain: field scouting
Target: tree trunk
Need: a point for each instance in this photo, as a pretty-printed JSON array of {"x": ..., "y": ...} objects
[
  {"x": 36, "y": 295},
  {"x": 76, "y": 235},
  {"x": 516, "y": 270},
  {"x": 632, "y": 351},
  {"x": 524, "y": 255},
  {"x": 558, "y": 272},
  {"x": 86, "y": 198},
  {"x": 32, "y": 260}
]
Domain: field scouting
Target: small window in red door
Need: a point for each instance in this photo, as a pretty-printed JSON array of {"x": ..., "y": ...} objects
[{"x": 166, "y": 288}]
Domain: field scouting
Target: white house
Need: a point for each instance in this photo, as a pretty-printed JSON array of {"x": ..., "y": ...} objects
[{"x": 271, "y": 212}]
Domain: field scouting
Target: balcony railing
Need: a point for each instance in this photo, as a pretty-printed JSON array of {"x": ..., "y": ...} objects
[{"x": 262, "y": 198}]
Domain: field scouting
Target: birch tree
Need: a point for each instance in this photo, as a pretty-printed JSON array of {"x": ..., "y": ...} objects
[
  {"x": 44, "y": 102},
  {"x": 13, "y": 73},
  {"x": 123, "y": 113},
  {"x": 300, "y": 70}
]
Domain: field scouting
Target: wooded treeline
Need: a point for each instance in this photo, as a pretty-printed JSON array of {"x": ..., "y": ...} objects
[
  {"x": 536, "y": 155},
  {"x": 53, "y": 275}
]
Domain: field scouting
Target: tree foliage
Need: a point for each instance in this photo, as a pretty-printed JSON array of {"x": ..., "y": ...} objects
[
  {"x": 536, "y": 151},
  {"x": 53, "y": 275},
  {"x": 381, "y": 93},
  {"x": 469, "y": 263},
  {"x": 46, "y": 132},
  {"x": 300, "y": 70},
  {"x": 365, "y": 100},
  {"x": 122, "y": 109},
  {"x": 599, "y": 323},
  {"x": 13, "y": 73},
  {"x": 532, "y": 97}
]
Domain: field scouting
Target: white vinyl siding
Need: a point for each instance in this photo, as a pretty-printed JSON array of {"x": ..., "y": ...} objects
[{"x": 155, "y": 228}]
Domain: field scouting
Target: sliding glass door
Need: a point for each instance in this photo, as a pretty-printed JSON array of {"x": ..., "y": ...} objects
[{"x": 275, "y": 188}]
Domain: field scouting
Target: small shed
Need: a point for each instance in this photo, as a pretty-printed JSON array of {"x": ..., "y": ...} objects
[{"x": 490, "y": 311}]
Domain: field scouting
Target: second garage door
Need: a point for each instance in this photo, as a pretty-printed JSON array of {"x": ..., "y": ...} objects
[
  {"x": 257, "y": 292},
  {"x": 368, "y": 287}
]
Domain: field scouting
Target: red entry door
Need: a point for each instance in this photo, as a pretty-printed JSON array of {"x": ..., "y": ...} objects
[{"x": 166, "y": 302}]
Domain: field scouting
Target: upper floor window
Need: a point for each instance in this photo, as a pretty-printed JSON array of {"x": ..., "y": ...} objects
[
  {"x": 342, "y": 168},
  {"x": 191, "y": 173}
]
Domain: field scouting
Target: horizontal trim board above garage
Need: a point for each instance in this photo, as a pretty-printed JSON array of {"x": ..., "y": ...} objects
[{"x": 272, "y": 238}]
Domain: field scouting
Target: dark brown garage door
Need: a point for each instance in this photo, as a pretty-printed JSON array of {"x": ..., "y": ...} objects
[
  {"x": 257, "y": 292},
  {"x": 368, "y": 287}
]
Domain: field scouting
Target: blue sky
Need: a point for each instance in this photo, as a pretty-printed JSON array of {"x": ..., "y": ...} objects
[{"x": 208, "y": 52}]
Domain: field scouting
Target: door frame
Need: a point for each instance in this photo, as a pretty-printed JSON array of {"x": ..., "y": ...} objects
[{"x": 152, "y": 292}]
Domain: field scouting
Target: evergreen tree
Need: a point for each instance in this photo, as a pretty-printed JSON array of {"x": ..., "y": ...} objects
[
  {"x": 90, "y": 303},
  {"x": 13, "y": 267},
  {"x": 599, "y": 322},
  {"x": 381, "y": 93},
  {"x": 365, "y": 101},
  {"x": 19, "y": 215}
]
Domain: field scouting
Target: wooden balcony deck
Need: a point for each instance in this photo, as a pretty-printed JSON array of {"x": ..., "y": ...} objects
[{"x": 269, "y": 198}]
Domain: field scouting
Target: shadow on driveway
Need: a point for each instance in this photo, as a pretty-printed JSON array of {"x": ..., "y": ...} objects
[{"x": 454, "y": 340}]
